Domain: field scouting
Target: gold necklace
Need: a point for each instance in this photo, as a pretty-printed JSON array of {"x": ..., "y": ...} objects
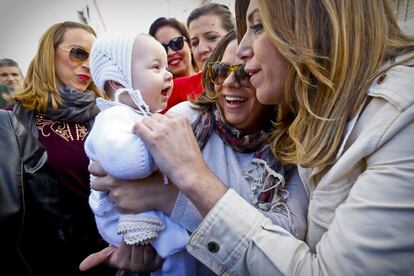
[{"x": 60, "y": 128}]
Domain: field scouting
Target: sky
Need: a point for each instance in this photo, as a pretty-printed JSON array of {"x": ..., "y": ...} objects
[{"x": 22, "y": 22}]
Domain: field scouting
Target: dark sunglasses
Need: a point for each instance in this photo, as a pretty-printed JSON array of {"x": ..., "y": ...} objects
[
  {"x": 218, "y": 72},
  {"x": 76, "y": 54},
  {"x": 175, "y": 44}
]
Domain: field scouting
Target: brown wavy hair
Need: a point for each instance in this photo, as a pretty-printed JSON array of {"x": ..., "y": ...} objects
[{"x": 335, "y": 49}]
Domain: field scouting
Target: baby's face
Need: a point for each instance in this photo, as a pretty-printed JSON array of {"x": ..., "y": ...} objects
[{"x": 149, "y": 72}]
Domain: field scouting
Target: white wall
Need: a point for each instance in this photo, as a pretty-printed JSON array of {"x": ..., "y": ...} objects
[{"x": 22, "y": 22}]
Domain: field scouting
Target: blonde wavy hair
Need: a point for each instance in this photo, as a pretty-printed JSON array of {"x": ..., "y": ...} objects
[
  {"x": 41, "y": 81},
  {"x": 335, "y": 49}
]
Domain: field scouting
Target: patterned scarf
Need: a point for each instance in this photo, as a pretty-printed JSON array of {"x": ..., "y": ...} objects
[
  {"x": 213, "y": 120},
  {"x": 76, "y": 107},
  {"x": 265, "y": 175}
]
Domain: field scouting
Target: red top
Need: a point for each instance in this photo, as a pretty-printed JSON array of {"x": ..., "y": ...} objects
[{"x": 185, "y": 88}]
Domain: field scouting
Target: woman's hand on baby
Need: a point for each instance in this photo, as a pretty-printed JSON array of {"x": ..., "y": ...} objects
[
  {"x": 136, "y": 195},
  {"x": 173, "y": 146},
  {"x": 136, "y": 258},
  {"x": 172, "y": 143}
]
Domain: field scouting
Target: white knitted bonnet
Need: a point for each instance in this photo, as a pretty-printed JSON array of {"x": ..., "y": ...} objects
[{"x": 111, "y": 60}]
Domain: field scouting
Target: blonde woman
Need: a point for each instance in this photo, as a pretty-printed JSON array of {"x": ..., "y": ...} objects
[
  {"x": 57, "y": 106},
  {"x": 341, "y": 73}
]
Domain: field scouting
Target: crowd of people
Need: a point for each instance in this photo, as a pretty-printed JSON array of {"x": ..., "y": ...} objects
[{"x": 276, "y": 141}]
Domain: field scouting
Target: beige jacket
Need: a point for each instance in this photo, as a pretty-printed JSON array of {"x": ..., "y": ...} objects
[{"x": 361, "y": 212}]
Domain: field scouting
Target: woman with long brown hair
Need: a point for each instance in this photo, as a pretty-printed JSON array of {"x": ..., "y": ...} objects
[
  {"x": 341, "y": 74},
  {"x": 57, "y": 106}
]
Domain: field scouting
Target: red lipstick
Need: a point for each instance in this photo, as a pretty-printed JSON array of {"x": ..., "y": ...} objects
[{"x": 84, "y": 77}]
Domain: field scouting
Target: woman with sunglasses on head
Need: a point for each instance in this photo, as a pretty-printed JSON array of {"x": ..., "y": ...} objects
[
  {"x": 57, "y": 106},
  {"x": 173, "y": 35},
  {"x": 206, "y": 24},
  {"x": 341, "y": 74},
  {"x": 232, "y": 129}
]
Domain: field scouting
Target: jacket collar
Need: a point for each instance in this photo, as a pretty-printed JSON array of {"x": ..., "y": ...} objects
[{"x": 391, "y": 85}]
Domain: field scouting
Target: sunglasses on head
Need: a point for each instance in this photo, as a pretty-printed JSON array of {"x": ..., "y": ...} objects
[
  {"x": 175, "y": 44},
  {"x": 76, "y": 54},
  {"x": 218, "y": 72}
]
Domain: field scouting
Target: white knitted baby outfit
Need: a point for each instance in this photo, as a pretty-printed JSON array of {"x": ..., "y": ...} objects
[{"x": 111, "y": 60}]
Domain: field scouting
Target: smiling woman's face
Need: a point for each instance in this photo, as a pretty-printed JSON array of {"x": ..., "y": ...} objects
[
  {"x": 239, "y": 104},
  {"x": 71, "y": 73},
  {"x": 179, "y": 62}
]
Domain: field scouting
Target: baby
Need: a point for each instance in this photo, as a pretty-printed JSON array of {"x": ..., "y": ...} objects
[{"x": 133, "y": 73}]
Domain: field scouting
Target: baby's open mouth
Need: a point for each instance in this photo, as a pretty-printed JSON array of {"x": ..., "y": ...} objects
[{"x": 164, "y": 92}]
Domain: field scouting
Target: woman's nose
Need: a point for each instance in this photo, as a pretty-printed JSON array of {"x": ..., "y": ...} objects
[
  {"x": 203, "y": 47},
  {"x": 85, "y": 64},
  {"x": 231, "y": 81},
  {"x": 244, "y": 50}
]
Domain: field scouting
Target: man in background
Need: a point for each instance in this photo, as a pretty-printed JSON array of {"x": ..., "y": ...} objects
[
  {"x": 10, "y": 74},
  {"x": 11, "y": 78}
]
